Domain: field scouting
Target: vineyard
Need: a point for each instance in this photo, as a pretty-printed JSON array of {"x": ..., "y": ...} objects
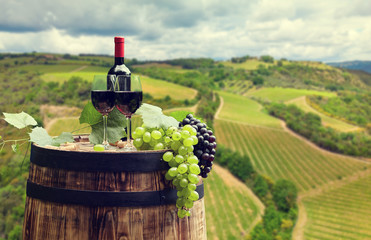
[
  {"x": 231, "y": 208},
  {"x": 341, "y": 213},
  {"x": 334, "y": 203},
  {"x": 278, "y": 154}
]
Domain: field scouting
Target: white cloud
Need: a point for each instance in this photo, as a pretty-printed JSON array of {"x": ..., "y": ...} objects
[{"x": 314, "y": 30}]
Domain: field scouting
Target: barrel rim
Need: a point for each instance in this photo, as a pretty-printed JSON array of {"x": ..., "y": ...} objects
[{"x": 140, "y": 161}]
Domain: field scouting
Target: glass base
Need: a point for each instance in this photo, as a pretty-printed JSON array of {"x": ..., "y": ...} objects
[
  {"x": 108, "y": 147},
  {"x": 128, "y": 148}
]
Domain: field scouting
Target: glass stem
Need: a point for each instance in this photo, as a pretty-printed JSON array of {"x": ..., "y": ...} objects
[
  {"x": 105, "y": 142},
  {"x": 128, "y": 130}
]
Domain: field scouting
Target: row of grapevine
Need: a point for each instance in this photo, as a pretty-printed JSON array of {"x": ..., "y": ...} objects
[{"x": 278, "y": 154}]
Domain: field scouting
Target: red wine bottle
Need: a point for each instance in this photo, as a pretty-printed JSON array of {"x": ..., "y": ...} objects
[{"x": 119, "y": 67}]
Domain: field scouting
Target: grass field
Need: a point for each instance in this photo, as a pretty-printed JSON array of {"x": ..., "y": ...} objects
[
  {"x": 278, "y": 154},
  {"x": 341, "y": 213},
  {"x": 156, "y": 88},
  {"x": 250, "y": 64},
  {"x": 278, "y": 94},
  {"x": 160, "y": 89},
  {"x": 326, "y": 120},
  {"x": 68, "y": 124},
  {"x": 243, "y": 109}
]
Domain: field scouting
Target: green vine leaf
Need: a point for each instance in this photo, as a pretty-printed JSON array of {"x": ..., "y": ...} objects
[
  {"x": 20, "y": 120},
  {"x": 90, "y": 115},
  {"x": 154, "y": 118},
  {"x": 40, "y": 136},
  {"x": 63, "y": 138},
  {"x": 115, "y": 128}
]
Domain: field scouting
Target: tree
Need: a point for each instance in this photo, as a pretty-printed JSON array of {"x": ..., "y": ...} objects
[
  {"x": 284, "y": 194},
  {"x": 260, "y": 186}
]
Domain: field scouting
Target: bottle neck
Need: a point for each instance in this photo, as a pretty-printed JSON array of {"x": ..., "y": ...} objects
[{"x": 119, "y": 60}]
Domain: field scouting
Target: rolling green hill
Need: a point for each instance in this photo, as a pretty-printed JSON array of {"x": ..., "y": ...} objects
[
  {"x": 334, "y": 193},
  {"x": 329, "y": 187}
]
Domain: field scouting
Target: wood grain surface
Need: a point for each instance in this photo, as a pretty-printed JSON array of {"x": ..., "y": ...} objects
[{"x": 47, "y": 220}]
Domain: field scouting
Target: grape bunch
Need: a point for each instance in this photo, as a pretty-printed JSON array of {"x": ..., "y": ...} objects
[
  {"x": 184, "y": 168},
  {"x": 205, "y": 149}
]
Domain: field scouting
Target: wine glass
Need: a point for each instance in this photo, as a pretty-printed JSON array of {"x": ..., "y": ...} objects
[
  {"x": 103, "y": 99},
  {"x": 129, "y": 96}
]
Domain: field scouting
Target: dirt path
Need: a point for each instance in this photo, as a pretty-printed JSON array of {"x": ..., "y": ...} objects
[
  {"x": 219, "y": 108},
  {"x": 304, "y": 100},
  {"x": 79, "y": 69}
]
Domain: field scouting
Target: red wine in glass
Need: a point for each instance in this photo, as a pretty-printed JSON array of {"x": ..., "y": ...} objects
[
  {"x": 103, "y": 101},
  {"x": 127, "y": 102}
]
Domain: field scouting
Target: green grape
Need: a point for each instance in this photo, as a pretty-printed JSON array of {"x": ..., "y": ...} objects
[
  {"x": 179, "y": 158},
  {"x": 188, "y": 142},
  {"x": 188, "y": 213},
  {"x": 179, "y": 194},
  {"x": 175, "y": 145},
  {"x": 193, "y": 196},
  {"x": 173, "y": 171},
  {"x": 138, "y": 142},
  {"x": 177, "y": 136},
  {"x": 188, "y": 128},
  {"x": 140, "y": 131},
  {"x": 173, "y": 163},
  {"x": 182, "y": 213},
  {"x": 147, "y": 137},
  {"x": 98, "y": 148},
  {"x": 183, "y": 182},
  {"x": 159, "y": 146},
  {"x": 167, "y": 156},
  {"x": 195, "y": 140},
  {"x": 175, "y": 182},
  {"x": 186, "y": 192},
  {"x": 182, "y": 168},
  {"x": 170, "y": 131},
  {"x": 192, "y": 178},
  {"x": 182, "y": 150},
  {"x": 167, "y": 139},
  {"x": 192, "y": 160},
  {"x": 153, "y": 142},
  {"x": 156, "y": 134},
  {"x": 162, "y": 132},
  {"x": 188, "y": 203},
  {"x": 194, "y": 168},
  {"x": 168, "y": 177},
  {"x": 192, "y": 186},
  {"x": 190, "y": 149},
  {"x": 185, "y": 134},
  {"x": 135, "y": 135},
  {"x": 179, "y": 176},
  {"x": 180, "y": 202},
  {"x": 193, "y": 132}
]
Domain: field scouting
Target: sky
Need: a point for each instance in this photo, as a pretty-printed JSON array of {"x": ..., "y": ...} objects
[{"x": 318, "y": 30}]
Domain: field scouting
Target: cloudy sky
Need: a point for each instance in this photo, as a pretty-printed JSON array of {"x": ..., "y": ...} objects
[{"x": 324, "y": 30}]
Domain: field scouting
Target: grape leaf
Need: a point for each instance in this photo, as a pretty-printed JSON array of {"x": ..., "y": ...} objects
[
  {"x": 40, "y": 136},
  {"x": 115, "y": 128},
  {"x": 154, "y": 118},
  {"x": 20, "y": 120},
  {"x": 90, "y": 115},
  {"x": 179, "y": 115},
  {"x": 63, "y": 138}
]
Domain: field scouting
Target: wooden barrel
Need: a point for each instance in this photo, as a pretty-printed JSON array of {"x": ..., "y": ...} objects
[{"x": 113, "y": 196}]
